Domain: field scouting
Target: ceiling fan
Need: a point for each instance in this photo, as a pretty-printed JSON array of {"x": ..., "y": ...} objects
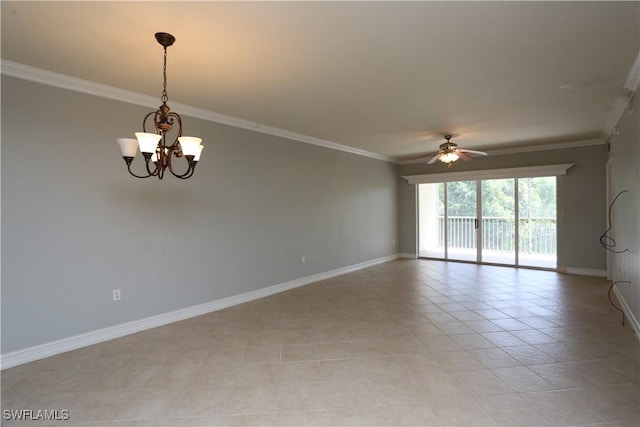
[{"x": 449, "y": 153}]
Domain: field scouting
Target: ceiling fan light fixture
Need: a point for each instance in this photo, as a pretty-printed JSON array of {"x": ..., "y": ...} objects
[
  {"x": 449, "y": 153},
  {"x": 449, "y": 157}
]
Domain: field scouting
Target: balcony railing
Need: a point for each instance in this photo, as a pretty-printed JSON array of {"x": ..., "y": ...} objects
[{"x": 537, "y": 235}]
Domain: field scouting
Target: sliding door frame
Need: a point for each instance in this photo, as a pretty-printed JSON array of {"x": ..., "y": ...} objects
[
  {"x": 479, "y": 176},
  {"x": 516, "y": 239}
]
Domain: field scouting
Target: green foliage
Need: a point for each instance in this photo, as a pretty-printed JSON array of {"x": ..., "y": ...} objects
[
  {"x": 537, "y": 198},
  {"x": 497, "y": 198},
  {"x": 461, "y": 196}
]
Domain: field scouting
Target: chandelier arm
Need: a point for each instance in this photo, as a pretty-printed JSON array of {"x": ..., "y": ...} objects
[
  {"x": 189, "y": 171},
  {"x": 137, "y": 176},
  {"x": 144, "y": 121},
  {"x": 178, "y": 119},
  {"x": 173, "y": 118},
  {"x": 157, "y": 169},
  {"x": 188, "y": 174}
]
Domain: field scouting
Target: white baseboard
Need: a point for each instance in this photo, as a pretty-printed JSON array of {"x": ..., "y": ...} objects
[
  {"x": 75, "y": 342},
  {"x": 408, "y": 255},
  {"x": 583, "y": 271},
  {"x": 628, "y": 314}
]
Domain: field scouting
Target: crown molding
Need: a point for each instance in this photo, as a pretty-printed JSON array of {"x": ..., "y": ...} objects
[
  {"x": 50, "y": 78},
  {"x": 621, "y": 103},
  {"x": 545, "y": 147},
  {"x": 633, "y": 79},
  {"x": 615, "y": 114}
]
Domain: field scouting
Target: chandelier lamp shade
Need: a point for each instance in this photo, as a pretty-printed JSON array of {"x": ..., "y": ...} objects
[{"x": 158, "y": 148}]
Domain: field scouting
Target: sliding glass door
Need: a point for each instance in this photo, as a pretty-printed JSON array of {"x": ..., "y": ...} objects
[
  {"x": 497, "y": 221},
  {"x": 431, "y": 220},
  {"x": 448, "y": 220},
  {"x": 537, "y": 222},
  {"x": 462, "y": 220}
]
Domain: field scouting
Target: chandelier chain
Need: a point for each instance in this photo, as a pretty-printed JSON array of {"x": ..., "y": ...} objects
[{"x": 164, "y": 97}]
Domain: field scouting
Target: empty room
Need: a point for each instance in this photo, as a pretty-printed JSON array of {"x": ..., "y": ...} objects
[{"x": 320, "y": 213}]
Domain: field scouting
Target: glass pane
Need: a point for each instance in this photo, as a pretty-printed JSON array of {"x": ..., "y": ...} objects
[
  {"x": 537, "y": 225},
  {"x": 461, "y": 224},
  {"x": 431, "y": 220},
  {"x": 498, "y": 221}
]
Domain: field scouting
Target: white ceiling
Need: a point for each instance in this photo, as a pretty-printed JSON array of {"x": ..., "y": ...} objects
[{"x": 385, "y": 77}]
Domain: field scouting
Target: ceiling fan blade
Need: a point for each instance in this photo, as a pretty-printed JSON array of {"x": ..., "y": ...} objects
[
  {"x": 463, "y": 156},
  {"x": 422, "y": 157},
  {"x": 434, "y": 159},
  {"x": 479, "y": 153}
]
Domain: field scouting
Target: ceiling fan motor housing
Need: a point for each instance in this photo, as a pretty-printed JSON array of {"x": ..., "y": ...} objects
[{"x": 448, "y": 146}]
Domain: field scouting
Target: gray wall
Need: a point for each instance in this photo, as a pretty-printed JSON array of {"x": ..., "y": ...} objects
[
  {"x": 581, "y": 197},
  {"x": 75, "y": 225},
  {"x": 408, "y": 219},
  {"x": 625, "y": 175}
]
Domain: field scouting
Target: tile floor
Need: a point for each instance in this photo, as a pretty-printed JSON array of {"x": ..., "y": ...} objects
[{"x": 408, "y": 342}]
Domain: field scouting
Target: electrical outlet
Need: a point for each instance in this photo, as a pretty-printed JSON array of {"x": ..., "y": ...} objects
[
  {"x": 117, "y": 296},
  {"x": 303, "y": 259}
]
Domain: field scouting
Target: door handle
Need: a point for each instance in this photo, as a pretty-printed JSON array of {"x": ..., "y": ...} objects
[{"x": 476, "y": 223}]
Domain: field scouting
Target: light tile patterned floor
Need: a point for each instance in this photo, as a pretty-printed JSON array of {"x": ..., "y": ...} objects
[{"x": 409, "y": 342}]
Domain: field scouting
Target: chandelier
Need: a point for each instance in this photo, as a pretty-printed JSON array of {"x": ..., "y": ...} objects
[{"x": 155, "y": 148}]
